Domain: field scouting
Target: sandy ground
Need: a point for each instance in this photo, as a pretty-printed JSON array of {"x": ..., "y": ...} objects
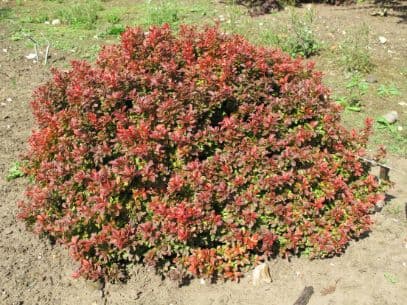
[{"x": 372, "y": 271}]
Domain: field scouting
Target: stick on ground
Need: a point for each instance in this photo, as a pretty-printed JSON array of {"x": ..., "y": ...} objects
[{"x": 305, "y": 296}]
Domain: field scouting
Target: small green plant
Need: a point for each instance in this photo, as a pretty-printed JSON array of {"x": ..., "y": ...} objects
[
  {"x": 81, "y": 14},
  {"x": 303, "y": 41},
  {"x": 113, "y": 17},
  {"x": 356, "y": 89},
  {"x": 163, "y": 12},
  {"x": 389, "y": 90},
  {"x": 20, "y": 34},
  {"x": 354, "y": 51},
  {"x": 5, "y": 13},
  {"x": 298, "y": 39},
  {"x": 115, "y": 29},
  {"x": 391, "y": 278},
  {"x": 15, "y": 171}
]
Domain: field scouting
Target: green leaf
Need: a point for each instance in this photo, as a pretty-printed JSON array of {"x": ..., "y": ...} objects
[
  {"x": 391, "y": 278},
  {"x": 353, "y": 108},
  {"x": 391, "y": 89},
  {"x": 15, "y": 172}
]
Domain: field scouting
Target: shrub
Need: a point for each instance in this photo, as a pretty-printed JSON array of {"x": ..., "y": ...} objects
[{"x": 199, "y": 154}]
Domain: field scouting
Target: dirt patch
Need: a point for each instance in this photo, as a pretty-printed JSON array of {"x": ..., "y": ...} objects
[{"x": 372, "y": 271}]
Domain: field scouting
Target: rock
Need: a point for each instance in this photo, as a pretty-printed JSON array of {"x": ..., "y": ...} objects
[
  {"x": 56, "y": 22},
  {"x": 380, "y": 12},
  {"x": 371, "y": 79},
  {"x": 3, "y": 104},
  {"x": 5, "y": 50},
  {"x": 9, "y": 99},
  {"x": 379, "y": 206},
  {"x": 261, "y": 274},
  {"x": 31, "y": 56},
  {"x": 403, "y": 104},
  {"x": 382, "y": 39},
  {"x": 47, "y": 22},
  {"x": 391, "y": 117}
]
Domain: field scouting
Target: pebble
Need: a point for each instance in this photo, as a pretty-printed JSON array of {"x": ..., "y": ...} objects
[
  {"x": 403, "y": 104},
  {"x": 3, "y": 104},
  {"x": 391, "y": 117},
  {"x": 371, "y": 79},
  {"x": 9, "y": 99},
  {"x": 261, "y": 274},
  {"x": 382, "y": 39},
  {"x": 31, "y": 56},
  {"x": 5, "y": 50},
  {"x": 56, "y": 22}
]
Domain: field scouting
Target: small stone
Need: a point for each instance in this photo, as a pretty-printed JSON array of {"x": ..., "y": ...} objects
[
  {"x": 391, "y": 117},
  {"x": 400, "y": 128},
  {"x": 31, "y": 56},
  {"x": 46, "y": 22},
  {"x": 403, "y": 104},
  {"x": 9, "y": 99},
  {"x": 5, "y": 50},
  {"x": 56, "y": 22},
  {"x": 202, "y": 281},
  {"x": 371, "y": 79},
  {"x": 261, "y": 274},
  {"x": 379, "y": 206},
  {"x": 382, "y": 39},
  {"x": 3, "y": 104},
  {"x": 9, "y": 126}
]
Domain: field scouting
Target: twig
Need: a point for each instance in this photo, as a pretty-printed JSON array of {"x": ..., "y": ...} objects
[
  {"x": 46, "y": 50},
  {"x": 305, "y": 296},
  {"x": 35, "y": 47}
]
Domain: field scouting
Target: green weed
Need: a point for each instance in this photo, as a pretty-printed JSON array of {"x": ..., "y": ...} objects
[
  {"x": 81, "y": 14},
  {"x": 5, "y": 13},
  {"x": 162, "y": 12},
  {"x": 115, "y": 29},
  {"x": 298, "y": 39},
  {"x": 390, "y": 90},
  {"x": 354, "y": 51},
  {"x": 113, "y": 16},
  {"x": 391, "y": 278},
  {"x": 356, "y": 88},
  {"x": 15, "y": 172}
]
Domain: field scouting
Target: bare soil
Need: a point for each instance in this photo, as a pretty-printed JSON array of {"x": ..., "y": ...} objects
[{"x": 372, "y": 271}]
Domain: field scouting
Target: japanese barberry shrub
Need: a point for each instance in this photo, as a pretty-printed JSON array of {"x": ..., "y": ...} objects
[{"x": 196, "y": 153}]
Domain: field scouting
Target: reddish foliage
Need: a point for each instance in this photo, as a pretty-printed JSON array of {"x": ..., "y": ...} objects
[{"x": 198, "y": 153}]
